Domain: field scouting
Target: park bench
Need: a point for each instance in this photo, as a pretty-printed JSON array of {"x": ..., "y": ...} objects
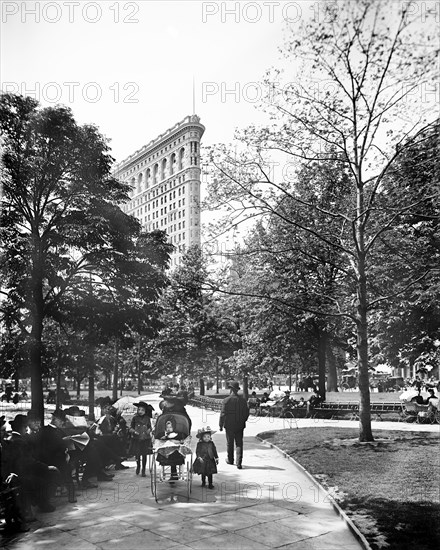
[
  {"x": 204, "y": 402},
  {"x": 340, "y": 408}
]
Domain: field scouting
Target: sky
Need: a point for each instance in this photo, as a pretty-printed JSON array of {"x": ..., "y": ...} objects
[{"x": 129, "y": 67}]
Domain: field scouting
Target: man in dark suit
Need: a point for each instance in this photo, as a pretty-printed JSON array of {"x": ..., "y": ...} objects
[{"x": 233, "y": 418}]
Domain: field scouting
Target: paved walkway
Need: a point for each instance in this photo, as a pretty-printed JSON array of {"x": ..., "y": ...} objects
[{"x": 270, "y": 503}]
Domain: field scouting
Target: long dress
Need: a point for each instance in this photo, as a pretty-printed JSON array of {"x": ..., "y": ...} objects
[
  {"x": 206, "y": 451},
  {"x": 141, "y": 443}
]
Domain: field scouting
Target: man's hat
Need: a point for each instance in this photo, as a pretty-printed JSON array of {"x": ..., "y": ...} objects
[
  {"x": 59, "y": 413},
  {"x": 234, "y": 385},
  {"x": 20, "y": 421},
  {"x": 33, "y": 415},
  {"x": 207, "y": 430}
]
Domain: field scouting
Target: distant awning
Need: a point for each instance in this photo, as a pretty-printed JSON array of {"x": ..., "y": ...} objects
[{"x": 384, "y": 369}]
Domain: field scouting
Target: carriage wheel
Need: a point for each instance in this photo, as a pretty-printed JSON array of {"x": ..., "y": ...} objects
[
  {"x": 154, "y": 481},
  {"x": 188, "y": 478}
]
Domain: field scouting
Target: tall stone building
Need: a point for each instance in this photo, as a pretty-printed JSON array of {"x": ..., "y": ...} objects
[{"x": 165, "y": 184}]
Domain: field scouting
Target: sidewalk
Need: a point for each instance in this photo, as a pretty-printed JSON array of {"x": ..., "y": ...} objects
[{"x": 270, "y": 503}]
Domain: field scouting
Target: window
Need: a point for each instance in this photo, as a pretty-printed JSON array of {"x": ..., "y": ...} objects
[{"x": 181, "y": 155}]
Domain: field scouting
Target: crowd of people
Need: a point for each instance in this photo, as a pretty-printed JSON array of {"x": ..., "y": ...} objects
[
  {"x": 38, "y": 460},
  {"x": 286, "y": 403}
]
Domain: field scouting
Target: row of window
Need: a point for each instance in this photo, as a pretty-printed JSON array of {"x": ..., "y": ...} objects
[
  {"x": 149, "y": 207},
  {"x": 153, "y": 156},
  {"x": 166, "y": 168},
  {"x": 159, "y": 191}
]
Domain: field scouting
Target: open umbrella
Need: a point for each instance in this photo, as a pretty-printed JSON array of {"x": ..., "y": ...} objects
[
  {"x": 125, "y": 402},
  {"x": 407, "y": 395}
]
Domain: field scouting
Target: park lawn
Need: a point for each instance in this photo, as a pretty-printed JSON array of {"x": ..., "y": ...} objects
[{"x": 389, "y": 488}]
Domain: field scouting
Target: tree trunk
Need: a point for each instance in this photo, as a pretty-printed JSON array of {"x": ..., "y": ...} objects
[
  {"x": 115, "y": 372},
  {"x": 322, "y": 346},
  {"x": 92, "y": 388},
  {"x": 16, "y": 382},
  {"x": 245, "y": 386},
  {"x": 78, "y": 387},
  {"x": 365, "y": 433},
  {"x": 217, "y": 383},
  {"x": 58, "y": 394},
  {"x": 139, "y": 373},
  {"x": 202, "y": 386},
  {"x": 37, "y": 398},
  {"x": 332, "y": 383}
]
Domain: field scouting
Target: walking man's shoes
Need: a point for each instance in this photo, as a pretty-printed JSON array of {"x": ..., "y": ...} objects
[
  {"x": 239, "y": 467},
  {"x": 229, "y": 462}
]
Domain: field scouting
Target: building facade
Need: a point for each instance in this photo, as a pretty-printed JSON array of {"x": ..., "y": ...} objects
[{"x": 164, "y": 176}]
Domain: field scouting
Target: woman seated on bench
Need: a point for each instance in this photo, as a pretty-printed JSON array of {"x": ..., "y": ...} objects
[{"x": 314, "y": 400}]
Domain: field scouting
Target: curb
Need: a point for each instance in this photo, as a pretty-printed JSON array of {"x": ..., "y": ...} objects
[{"x": 358, "y": 535}]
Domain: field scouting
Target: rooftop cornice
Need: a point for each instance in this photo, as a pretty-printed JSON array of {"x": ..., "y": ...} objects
[{"x": 188, "y": 122}]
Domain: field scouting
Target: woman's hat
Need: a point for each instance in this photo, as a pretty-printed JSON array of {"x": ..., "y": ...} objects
[
  {"x": 167, "y": 393},
  {"x": 74, "y": 410},
  {"x": 202, "y": 431},
  {"x": 234, "y": 385}
]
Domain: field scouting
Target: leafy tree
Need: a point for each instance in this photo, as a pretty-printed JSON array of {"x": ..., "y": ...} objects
[
  {"x": 353, "y": 104},
  {"x": 62, "y": 228},
  {"x": 193, "y": 332},
  {"x": 406, "y": 331}
]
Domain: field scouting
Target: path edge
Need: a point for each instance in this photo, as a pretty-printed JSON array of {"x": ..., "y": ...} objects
[{"x": 358, "y": 535}]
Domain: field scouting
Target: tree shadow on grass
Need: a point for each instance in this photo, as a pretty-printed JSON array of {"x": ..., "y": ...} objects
[{"x": 400, "y": 525}]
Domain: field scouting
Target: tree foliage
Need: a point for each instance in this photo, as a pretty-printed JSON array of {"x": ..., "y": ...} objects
[
  {"x": 348, "y": 101},
  {"x": 66, "y": 245}
]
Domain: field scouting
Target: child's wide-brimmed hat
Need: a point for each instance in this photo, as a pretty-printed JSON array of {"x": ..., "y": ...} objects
[
  {"x": 202, "y": 431},
  {"x": 142, "y": 404}
]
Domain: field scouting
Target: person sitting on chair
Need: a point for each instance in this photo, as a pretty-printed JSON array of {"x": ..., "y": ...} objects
[{"x": 431, "y": 397}]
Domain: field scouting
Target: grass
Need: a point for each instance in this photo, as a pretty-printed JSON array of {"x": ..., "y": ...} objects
[{"x": 389, "y": 488}]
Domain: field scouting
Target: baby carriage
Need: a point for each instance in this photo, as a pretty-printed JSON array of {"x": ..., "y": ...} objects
[{"x": 172, "y": 454}]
